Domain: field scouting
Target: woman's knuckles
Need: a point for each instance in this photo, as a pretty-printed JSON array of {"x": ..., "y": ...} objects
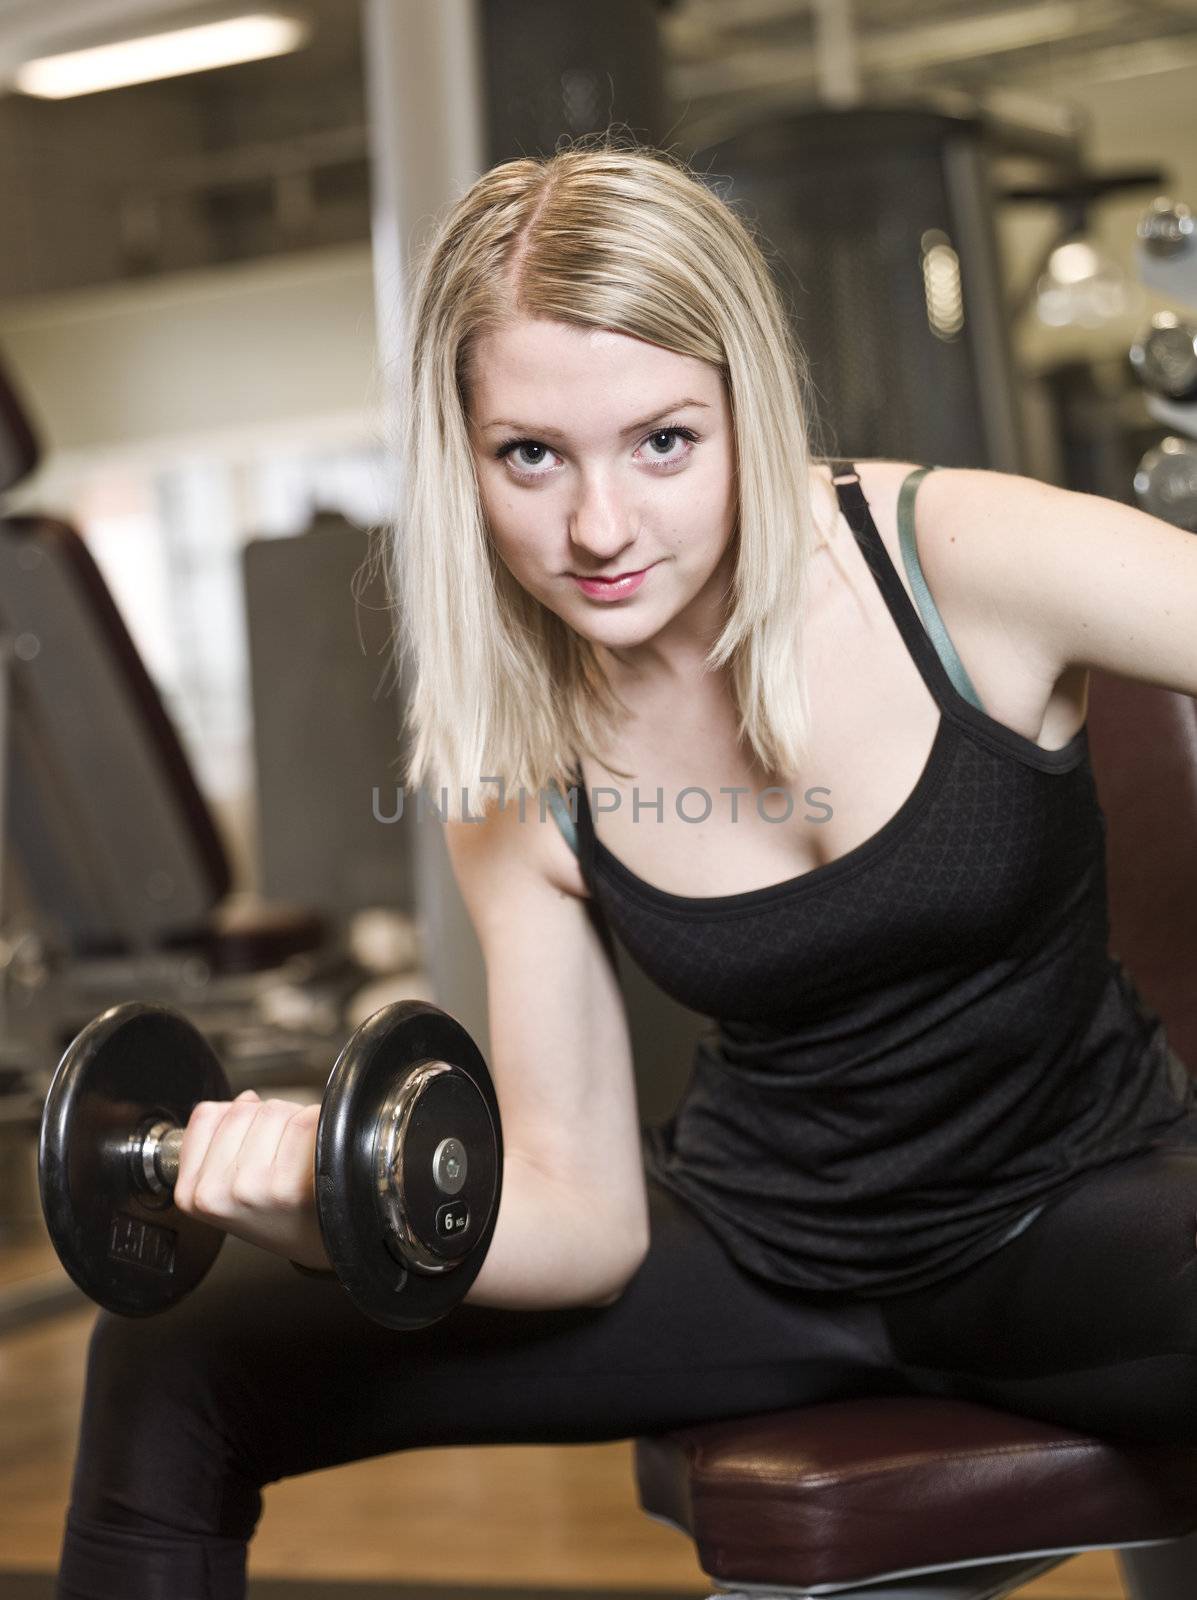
[
  {"x": 255, "y": 1186},
  {"x": 292, "y": 1191},
  {"x": 250, "y": 1191},
  {"x": 246, "y": 1110},
  {"x": 207, "y": 1112},
  {"x": 209, "y": 1200}
]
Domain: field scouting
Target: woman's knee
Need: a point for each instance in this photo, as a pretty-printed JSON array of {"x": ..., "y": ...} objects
[
  {"x": 143, "y": 1372},
  {"x": 169, "y": 1433}
]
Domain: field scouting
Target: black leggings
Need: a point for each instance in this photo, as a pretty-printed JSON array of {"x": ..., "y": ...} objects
[{"x": 1088, "y": 1318}]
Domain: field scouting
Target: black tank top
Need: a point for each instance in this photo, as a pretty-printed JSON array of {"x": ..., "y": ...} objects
[{"x": 915, "y": 1046}]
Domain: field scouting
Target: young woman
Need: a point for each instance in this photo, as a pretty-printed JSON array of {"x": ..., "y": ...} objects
[{"x": 933, "y": 1141}]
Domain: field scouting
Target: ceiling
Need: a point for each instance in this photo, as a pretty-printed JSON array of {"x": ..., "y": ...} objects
[
  {"x": 732, "y": 48},
  {"x": 725, "y": 57},
  {"x": 191, "y": 172},
  {"x": 1021, "y": 57},
  {"x": 270, "y": 155}
]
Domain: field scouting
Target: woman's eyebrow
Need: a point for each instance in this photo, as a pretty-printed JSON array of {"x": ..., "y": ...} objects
[{"x": 632, "y": 427}]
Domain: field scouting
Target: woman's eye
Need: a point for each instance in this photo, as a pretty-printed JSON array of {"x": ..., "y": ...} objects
[
  {"x": 672, "y": 435},
  {"x": 515, "y": 445},
  {"x": 528, "y": 455}
]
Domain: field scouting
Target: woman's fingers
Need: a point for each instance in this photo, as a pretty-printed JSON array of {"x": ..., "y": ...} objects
[
  {"x": 294, "y": 1166},
  {"x": 227, "y": 1162},
  {"x": 221, "y": 1128},
  {"x": 202, "y": 1127},
  {"x": 251, "y": 1177},
  {"x": 248, "y": 1166}
]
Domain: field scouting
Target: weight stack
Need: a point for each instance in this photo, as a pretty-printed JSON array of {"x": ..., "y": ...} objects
[
  {"x": 883, "y": 218},
  {"x": 554, "y": 70}
]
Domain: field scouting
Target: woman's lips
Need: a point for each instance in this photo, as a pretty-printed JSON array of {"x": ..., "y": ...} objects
[{"x": 611, "y": 588}]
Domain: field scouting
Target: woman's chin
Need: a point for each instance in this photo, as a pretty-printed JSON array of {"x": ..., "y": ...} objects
[{"x": 616, "y": 632}]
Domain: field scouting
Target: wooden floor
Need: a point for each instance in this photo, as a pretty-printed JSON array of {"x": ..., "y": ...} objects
[{"x": 472, "y": 1519}]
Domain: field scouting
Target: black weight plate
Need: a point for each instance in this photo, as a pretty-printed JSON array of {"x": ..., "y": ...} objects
[
  {"x": 450, "y": 1105},
  {"x": 380, "y": 1054},
  {"x": 133, "y": 1252}
]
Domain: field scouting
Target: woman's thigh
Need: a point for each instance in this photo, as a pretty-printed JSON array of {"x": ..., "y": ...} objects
[
  {"x": 1087, "y": 1318},
  {"x": 262, "y": 1374}
]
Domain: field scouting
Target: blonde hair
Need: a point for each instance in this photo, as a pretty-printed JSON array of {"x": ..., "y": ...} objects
[{"x": 624, "y": 237}]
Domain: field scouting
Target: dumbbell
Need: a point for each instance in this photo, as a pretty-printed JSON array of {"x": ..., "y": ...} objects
[
  {"x": 1167, "y": 229},
  {"x": 1165, "y": 482},
  {"x": 1164, "y": 357},
  {"x": 409, "y": 1161},
  {"x": 1166, "y": 249}
]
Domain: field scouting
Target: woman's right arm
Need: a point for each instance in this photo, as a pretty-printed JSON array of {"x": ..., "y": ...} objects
[{"x": 573, "y": 1216}]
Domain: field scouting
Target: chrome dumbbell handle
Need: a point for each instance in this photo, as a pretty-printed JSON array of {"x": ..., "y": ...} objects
[{"x": 154, "y": 1156}]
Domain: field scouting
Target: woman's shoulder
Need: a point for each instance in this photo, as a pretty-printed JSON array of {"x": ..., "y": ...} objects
[
  {"x": 880, "y": 478},
  {"x": 521, "y": 837},
  {"x": 876, "y": 471},
  {"x": 880, "y": 483}
]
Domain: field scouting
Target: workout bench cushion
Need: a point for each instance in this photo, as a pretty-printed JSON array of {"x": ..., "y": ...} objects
[{"x": 847, "y": 1490}]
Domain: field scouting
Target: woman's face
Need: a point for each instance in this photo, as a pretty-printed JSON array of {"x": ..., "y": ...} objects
[{"x": 599, "y": 455}]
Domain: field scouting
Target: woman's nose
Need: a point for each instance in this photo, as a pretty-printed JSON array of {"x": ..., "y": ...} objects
[{"x": 600, "y": 526}]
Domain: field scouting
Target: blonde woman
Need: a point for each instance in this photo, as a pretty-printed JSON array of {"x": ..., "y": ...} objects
[{"x": 829, "y": 783}]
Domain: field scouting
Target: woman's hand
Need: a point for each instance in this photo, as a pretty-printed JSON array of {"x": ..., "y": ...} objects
[{"x": 249, "y": 1166}]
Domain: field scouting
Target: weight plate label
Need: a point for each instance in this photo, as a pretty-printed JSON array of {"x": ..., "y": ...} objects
[
  {"x": 142, "y": 1243},
  {"x": 452, "y": 1219}
]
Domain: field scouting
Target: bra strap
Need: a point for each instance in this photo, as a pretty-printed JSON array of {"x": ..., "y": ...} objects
[
  {"x": 933, "y": 666},
  {"x": 932, "y": 620},
  {"x": 561, "y": 813}
]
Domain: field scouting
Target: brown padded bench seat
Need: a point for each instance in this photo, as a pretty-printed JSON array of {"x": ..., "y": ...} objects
[{"x": 845, "y": 1490}]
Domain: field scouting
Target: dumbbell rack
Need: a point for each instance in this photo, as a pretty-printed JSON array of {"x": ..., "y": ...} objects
[{"x": 1166, "y": 261}]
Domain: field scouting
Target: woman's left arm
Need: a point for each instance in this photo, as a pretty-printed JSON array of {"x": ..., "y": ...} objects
[{"x": 1075, "y": 579}]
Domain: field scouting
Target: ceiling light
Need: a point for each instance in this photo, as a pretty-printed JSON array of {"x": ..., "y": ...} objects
[
  {"x": 161, "y": 55},
  {"x": 1083, "y": 287}
]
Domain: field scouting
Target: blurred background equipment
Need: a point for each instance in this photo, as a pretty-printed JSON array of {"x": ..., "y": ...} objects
[
  {"x": 888, "y": 230},
  {"x": 592, "y": 65},
  {"x": 325, "y": 702},
  {"x": 1076, "y": 282},
  {"x": 890, "y": 260},
  {"x": 1164, "y": 359},
  {"x": 1166, "y": 481},
  {"x": 119, "y": 860}
]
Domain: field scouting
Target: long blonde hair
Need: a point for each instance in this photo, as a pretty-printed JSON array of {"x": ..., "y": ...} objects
[{"x": 625, "y": 237}]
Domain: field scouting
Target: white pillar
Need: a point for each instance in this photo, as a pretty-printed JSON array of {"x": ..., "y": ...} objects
[
  {"x": 837, "y": 52},
  {"x": 425, "y": 87}
]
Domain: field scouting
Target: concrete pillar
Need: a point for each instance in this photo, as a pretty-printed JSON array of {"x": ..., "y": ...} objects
[{"x": 424, "y": 86}]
